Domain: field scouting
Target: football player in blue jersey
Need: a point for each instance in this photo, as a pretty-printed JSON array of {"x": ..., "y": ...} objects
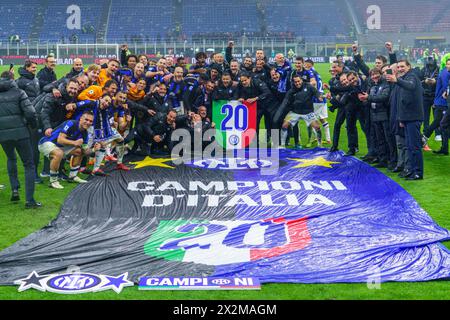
[
  {"x": 320, "y": 108},
  {"x": 68, "y": 139}
]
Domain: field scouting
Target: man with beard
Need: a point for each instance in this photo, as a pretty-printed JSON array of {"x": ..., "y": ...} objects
[
  {"x": 214, "y": 74},
  {"x": 156, "y": 102},
  {"x": 155, "y": 132},
  {"x": 157, "y": 73},
  {"x": 225, "y": 90},
  {"x": 205, "y": 98},
  {"x": 219, "y": 63},
  {"x": 176, "y": 90},
  {"x": 299, "y": 100},
  {"x": 47, "y": 75},
  {"x": 235, "y": 72},
  {"x": 169, "y": 64},
  {"x": 200, "y": 66},
  {"x": 251, "y": 90},
  {"x": 77, "y": 69},
  {"x": 69, "y": 139},
  {"x": 109, "y": 73},
  {"x": 247, "y": 64},
  {"x": 410, "y": 115},
  {"x": 28, "y": 81},
  {"x": 55, "y": 110},
  {"x": 182, "y": 64},
  {"x": 261, "y": 71},
  {"x": 260, "y": 55}
]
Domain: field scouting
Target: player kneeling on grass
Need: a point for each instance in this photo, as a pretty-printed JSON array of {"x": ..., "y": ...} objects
[
  {"x": 103, "y": 132},
  {"x": 68, "y": 139},
  {"x": 299, "y": 100}
]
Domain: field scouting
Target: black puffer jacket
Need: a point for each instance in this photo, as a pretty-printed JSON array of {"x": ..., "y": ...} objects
[
  {"x": 16, "y": 112},
  {"x": 28, "y": 83},
  {"x": 378, "y": 101},
  {"x": 53, "y": 111},
  {"x": 46, "y": 76}
]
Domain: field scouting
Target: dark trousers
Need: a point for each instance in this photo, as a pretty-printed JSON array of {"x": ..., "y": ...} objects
[
  {"x": 354, "y": 113},
  {"x": 435, "y": 125},
  {"x": 445, "y": 127},
  {"x": 269, "y": 115},
  {"x": 414, "y": 147},
  {"x": 385, "y": 141},
  {"x": 25, "y": 152},
  {"x": 340, "y": 119},
  {"x": 427, "y": 103}
]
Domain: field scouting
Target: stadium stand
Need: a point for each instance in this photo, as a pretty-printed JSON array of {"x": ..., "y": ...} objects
[
  {"x": 13, "y": 15},
  {"x": 230, "y": 16},
  {"x": 306, "y": 20},
  {"x": 54, "y": 27},
  {"x": 417, "y": 16},
  {"x": 145, "y": 19},
  {"x": 110, "y": 20}
]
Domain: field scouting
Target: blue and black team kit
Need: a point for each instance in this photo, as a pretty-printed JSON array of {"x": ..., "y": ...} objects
[{"x": 72, "y": 130}]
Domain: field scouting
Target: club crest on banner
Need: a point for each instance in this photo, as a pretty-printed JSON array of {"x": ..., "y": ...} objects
[{"x": 73, "y": 283}]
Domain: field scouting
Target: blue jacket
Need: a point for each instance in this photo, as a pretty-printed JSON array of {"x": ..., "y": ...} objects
[{"x": 441, "y": 87}]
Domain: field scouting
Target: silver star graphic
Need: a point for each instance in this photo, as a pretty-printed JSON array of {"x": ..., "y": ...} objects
[{"x": 34, "y": 280}]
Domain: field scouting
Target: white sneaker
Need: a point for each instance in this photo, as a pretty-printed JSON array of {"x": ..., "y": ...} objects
[
  {"x": 438, "y": 138},
  {"x": 56, "y": 185},
  {"x": 78, "y": 180}
]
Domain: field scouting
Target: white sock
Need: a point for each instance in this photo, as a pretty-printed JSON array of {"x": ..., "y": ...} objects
[
  {"x": 74, "y": 171},
  {"x": 120, "y": 152},
  {"x": 99, "y": 155},
  {"x": 326, "y": 126},
  {"x": 284, "y": 134},
  {"x": 53, "y": 176}
]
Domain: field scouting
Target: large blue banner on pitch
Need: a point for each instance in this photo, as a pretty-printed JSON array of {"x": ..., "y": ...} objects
[{"x": 318, "y": 218}]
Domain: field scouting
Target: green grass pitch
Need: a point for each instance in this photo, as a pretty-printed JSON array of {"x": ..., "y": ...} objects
[{"x": 431, "y": 194}]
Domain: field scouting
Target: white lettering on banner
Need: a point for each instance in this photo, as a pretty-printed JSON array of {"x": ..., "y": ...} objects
[
  {"x": 149, "y": 201},
  {"x": 209, "y": 186},
  {"x": 141, "y": 186},
  {"x": 195, "y": 185},
  {"x": 221, "y": 193},
  {"x": 214, "y": 200}
]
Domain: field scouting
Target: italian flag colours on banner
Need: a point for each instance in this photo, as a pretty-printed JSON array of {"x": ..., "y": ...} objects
[{"x": 235, "y": 123}]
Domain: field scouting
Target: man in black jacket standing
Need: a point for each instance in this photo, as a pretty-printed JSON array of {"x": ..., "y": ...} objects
[
  {"x": 28, "y": 81},
  {"x": 428, "y": 74},
  {"x": 30, "y": 84},
  {"x": 47, "y": 74},
  {"x": 410, "y": 115},
  {"x": 16, "y": 112}
]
